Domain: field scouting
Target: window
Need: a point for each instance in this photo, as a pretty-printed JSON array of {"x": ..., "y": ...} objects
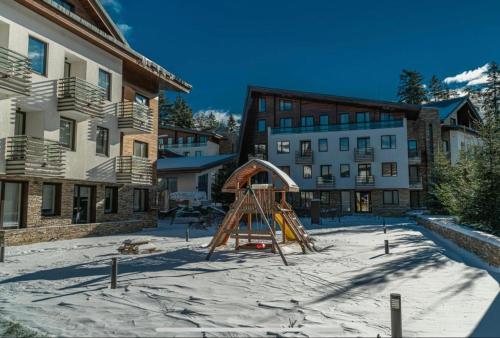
[
  {"x": 326, "y": 171},
  {"x": 260, "y": 149},
  {"x": 388, "y": 141},
  {"x": 345, "y": 170},
  {"x": 286, "y": 122},
  {"x": 185, "y": 154},
  {"x": 190, "y": 139},
  {"x": 323, "y": 120},
  {"x": 141, "y": 200},
  {"x": 285, "y": 105},
  {"x": 389, "y": 169},
  {"x": 364, "y": 170},
  {"x": 344, "y": 144},
  {"x": 67, "y": 133},
  {"x": 180, "y": 140},
  {"x": 431, "y": 141},
  {"x": 171, "y": 184},
  {"x": 412, "y": 148},
  {"x": 307, "y": 171},
  {"x": 37, "y": 53},
  {"x": 306, "y": 198},
  {"x": 51, "y": 199},
  {"x": 20, "y": 123},
  {"x": 283, "y": 147},
  {"x": 203, "y": 139},
  {"x": 170, "y": 141},
  {"x": 362, "y": 117},
  {"x": 197, "y": 153},
  {"x": 285, "y": 169},
  {"x": 102, "y": 141},
  {"x": 324, "y": 197},
  {"x": 140, "y": 149},
  {"x": 261, "y": 126},
  {"x": 446, "y": 146},
  {"x": 105, "y": 83},
  {"x": 111, "y": 200},
  {"x": 386, "y": 116},
  {"x": 141, "y": 99},
  {"x": 262, "y": 105},
  {"x": 323, "y": 144},
  {"x": 305, "y": 148},
  {"x": 344, "y": 118},
  {"x": 363, "y": 143},
  {"x": 453, "y": 121},
  {"x": 391, "y": 197},
  {"x": 306, "y": 121},
  {"x": 66, "y": 5}
]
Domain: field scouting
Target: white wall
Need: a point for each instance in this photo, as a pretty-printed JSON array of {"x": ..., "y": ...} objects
[
  {"x": 210, "y": 149},
  {"x": 335, "y": 157},
  {"x": 457, "y": 139},
  {"x": 188, "y": 182},
  {"x": 41, "y": 108}
]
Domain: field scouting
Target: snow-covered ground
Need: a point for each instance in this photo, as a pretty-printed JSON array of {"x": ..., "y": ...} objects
[{"x": 61, "y": 288}]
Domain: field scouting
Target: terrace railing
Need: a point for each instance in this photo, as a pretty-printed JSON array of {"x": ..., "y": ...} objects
[
  {"x": 365, "y": 181},
  {"x": 364, "y": 154},
  {"x": 304, "y": 157},
  {"x": 134, "y": 170},
  {"x": 339, "y": 127},
  {"x": 325, "y": 182},
  {"x": 134, "y": 118},
  {"x": 15, "y": 74},
  {"x": 81, "y": 98}
]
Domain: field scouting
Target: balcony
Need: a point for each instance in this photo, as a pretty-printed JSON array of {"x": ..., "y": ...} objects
[
  {"x": 414, "y": 157},
  {"x": 325, "y": 182},
  {"x": 15, "y": 74},
  {"x": 339, "y": 127},
  {"x": 32, "y": 156},
  {"x": 363, "y": 154},
  {"x": 257, "y": 157},
  {"x": 176, "y": 146},
  {"x": 304, "y": 157},
  {"x": 79, "y": 99},
  {"x": 416, "y": 182},
  {"x": 134, "y": 170},
  {"x": 134, "y": 118},
  {"x": 365, "y": 181}
]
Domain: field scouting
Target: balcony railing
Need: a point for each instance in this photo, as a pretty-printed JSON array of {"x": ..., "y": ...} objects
[
  {"x": 257, "y": 157},
  {"x": 32, "y": 156},
  {"x": 15, "y": 74},
  {"x": 304, "y": 157},
  {"x": 134, "y": 118},
  {"x": 416, "y": 182},
  {"x": 414, "y": 156},
  {"x": 80, "y": 99},
  {"x": 365, "y": 181},
  {"x": 134, "y": 170},
  {"x": 183, "y": 145},
  {"x": 325, "y": 182},
  {"x": 363, "y": 154},
  {"x": 339, "y": 127}
]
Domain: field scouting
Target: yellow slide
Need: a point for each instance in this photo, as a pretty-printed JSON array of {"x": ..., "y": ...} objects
[{"x": 283, "y": 225}]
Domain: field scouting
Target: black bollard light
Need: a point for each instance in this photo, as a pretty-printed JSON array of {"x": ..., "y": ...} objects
[
  {"x": 386, "y": 244},
  {"x": 187, "y": 233},
  {"x": 2, "y": 253},
  {"x": 114, "y": 272},
  {"x": 396, "y": 320}
]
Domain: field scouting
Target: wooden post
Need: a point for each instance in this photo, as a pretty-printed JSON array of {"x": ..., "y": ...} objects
[
  {"x": 2, "y": 253},
  {"x": 237, "y": 244},
  {"x": 114, "y": 272}
]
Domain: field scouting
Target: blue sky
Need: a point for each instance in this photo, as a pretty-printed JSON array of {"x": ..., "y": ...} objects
[{"x": 352, "y": 48}]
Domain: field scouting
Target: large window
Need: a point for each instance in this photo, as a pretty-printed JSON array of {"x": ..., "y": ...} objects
[
  {"x": 324, "y": 197},
  {"x": 307, "y": 171},
  {"x": 37, "y": 53},
  {"x": 389, "y": 169},
  {"x": 388, "y": 141},
  {"x": 362, "y": 117},
  {"x": 111, "y": 200},
  {"x": 102, "y": 141},
  {"x": 344, "y": 144},
  {"x": 323, "y": 120},
  {"x": 262, "y": 104},
  {"x": 171, "y": 184},
  {"x": 140, "y": 149},
  {"x": 105, "y": 83},
  {"x": 306, "y": 198},
  {"x": 51, "y": 199},
  {"x": 384, "y": 116},
  {"x": 203, "y": 139},
  {"x": 412, "y": 148},
  {"x": 391, "y": 197},
  {"x": 12, "y": 201},
  {"x": 283, "y": 147},
  {"x": 141, "y": 99},
  {"x": 307, "y": 121},
  {"x": 260, "y": 149},
  {"x": 322, "y": 144},
  {"x": 141, "y": 200},
  {"x": 286, "y": 122},
  {"x": 67, "y": 133},
  {"x": 326, "y": 171},
  {"x": 344, "y": 118},
  {"x": 20, "y": 123},
  {"x": 285, "y": 105},
  {"x": 261, "y": 126},
  {"x": 190, "y": 139},
  {"x": 345, "y": 170}
]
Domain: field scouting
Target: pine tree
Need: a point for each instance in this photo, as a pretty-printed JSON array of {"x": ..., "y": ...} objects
[
  {"x": 164, "y": 108},
  {"x": 411, "y": 88},
  {"x": 232, "y": 125},
  {"x": 180, "y": 114},
  {"x": 221, "y": 178},
  {"x": 436, "y": 89},
  {"x": 212, "y": 122}
]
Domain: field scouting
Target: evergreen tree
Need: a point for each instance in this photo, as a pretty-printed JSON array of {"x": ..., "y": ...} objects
[
  {"x": 411, "y": 88},
  {"x": 436, "y": 89},
  {"x": 221, "y": 178},
  {"x": 212, "y": 122},
  {"x": 180, "y": 114},
  {"x": 164, "y": 108},
  {"x": 232, "y": 125}
]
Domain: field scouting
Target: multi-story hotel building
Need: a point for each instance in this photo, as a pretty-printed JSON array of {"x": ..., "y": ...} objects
[
  {"x": 78, "y": 118},
  {"x": 356, "y": 154}
]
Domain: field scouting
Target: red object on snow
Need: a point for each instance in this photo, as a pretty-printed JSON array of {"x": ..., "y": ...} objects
[{"x": 260, "y": 246}]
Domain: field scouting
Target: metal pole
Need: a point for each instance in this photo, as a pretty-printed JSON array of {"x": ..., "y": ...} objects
[
  {"x": 187, "y": 233},
  {"x": 114, "y": 272},
  {"x": 396, "y": 322},
  {"x": 386, "y": 243},
  {"x": 385, "y": 228},
  {"x": 2, "y": 253}
]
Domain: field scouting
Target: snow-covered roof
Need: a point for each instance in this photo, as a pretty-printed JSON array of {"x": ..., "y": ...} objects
[
  {"x": 192, "y": 163},
  {"x": 447, "y": 107}
]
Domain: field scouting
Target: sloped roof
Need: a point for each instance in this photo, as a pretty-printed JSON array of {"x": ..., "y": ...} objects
[
  {"x": 192, "y": 163},
  {"x": 240, "y": 176},
  {"x": 448, "y": 107}
]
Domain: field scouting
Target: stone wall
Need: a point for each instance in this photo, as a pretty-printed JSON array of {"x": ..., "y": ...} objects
[
  {"x": 483, "y": 248},
  {"x": 53, "y": 233}
]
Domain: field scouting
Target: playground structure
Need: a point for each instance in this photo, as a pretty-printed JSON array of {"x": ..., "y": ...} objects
[{"x": 257, "y": 206}]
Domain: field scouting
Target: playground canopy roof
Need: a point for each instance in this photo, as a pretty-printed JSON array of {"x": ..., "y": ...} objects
[{"x": 239, "y": 178}]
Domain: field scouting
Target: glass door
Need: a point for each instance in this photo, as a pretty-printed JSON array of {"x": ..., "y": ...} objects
[
  {"x": 305, "y": 148},
  {"x": 345, "y": 197},
  {"x": 363, "y": 143},
  {"x": 82, "y": 204},
  {"x": 363, "y": 201},
  {"x": 11, "y": 198}
]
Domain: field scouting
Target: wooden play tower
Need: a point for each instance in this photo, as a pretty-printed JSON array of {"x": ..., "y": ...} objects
[{"x": 257, "y": 207}]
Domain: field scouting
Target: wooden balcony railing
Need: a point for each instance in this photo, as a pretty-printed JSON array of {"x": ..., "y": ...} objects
[
  {"x": 134, "y": 170},
  {"x": 304, "y": 157},
  {"x": 365, "y": 181},
  {"x": 325, "y": 182},
  {"x": 80, "y": 99},
  {"x": 15, "y": 74},
  {"x": 32, "y": 156},
  {"x": 364, "y": 154},
  {"x": 134, "y": 118}
]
